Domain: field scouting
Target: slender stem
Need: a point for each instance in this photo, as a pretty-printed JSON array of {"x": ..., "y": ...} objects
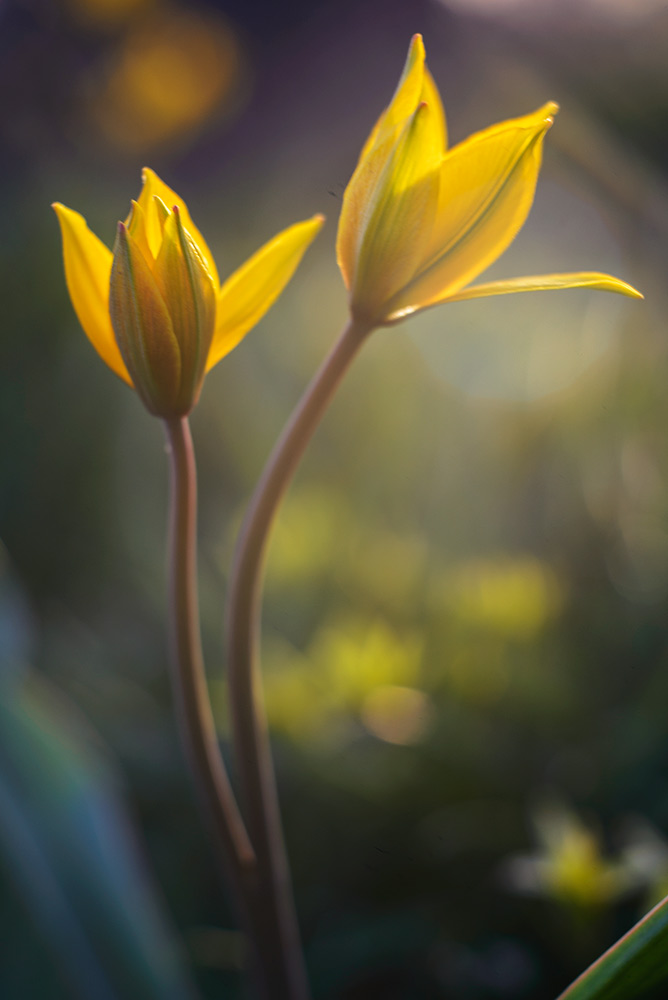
[
  {"x": 250, "y": 733},
  {"x": 198, "y": 733}
]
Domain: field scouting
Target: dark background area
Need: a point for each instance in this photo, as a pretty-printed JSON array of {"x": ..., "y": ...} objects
[{"x": 465, "y": 639}]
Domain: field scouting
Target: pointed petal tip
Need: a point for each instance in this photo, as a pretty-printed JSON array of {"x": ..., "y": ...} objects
[
  {"x": 420, "y": 112},
  {"x": 62, "y": 211},
  {"x": 416, "y": 50},
  {"x": 161, "y": 204},
  {"x": 550, "y": 112},
  {"x": 608, "y": 283},
  {"x": 148, "y": 176},
  {"x": 593, "y": 280}
]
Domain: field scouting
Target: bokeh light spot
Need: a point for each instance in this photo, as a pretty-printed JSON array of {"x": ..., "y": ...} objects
[
  {"x": 169, "y": 76},
  {"x": 512, "y": 597},
  {"x": 397, "y": 714}
]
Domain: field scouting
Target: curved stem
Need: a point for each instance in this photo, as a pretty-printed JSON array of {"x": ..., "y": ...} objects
[
  {"x": 198, "y": 733},
  {"x": 251, "y": 740}
]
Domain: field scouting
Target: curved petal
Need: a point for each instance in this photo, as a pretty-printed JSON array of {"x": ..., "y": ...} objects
[
  {"x": 406, "y": 98},
  {"x": 253, "y": 288},
  {"x": 87, "y": 272},
  {"x": 355, "y": 208},
  {"x": 153, "y": 186},
  {"x": 137, "y": 228},
  {"x": 430, "y": 95},
  {"x": 384, "y": 144},
  {"x": 189, "y": 293},
  {"x": 538, "y": 283},
  {"x": 143, "y": 327},
  {"x": 397, "y": 216},
  {"x": 487, "y": 186},
  {"x": 548, "y": 282}
]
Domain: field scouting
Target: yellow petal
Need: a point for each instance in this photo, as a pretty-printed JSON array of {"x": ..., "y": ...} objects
[
  {"x": 393, "y": 215},
  {"x": 548, "y": 282},
  {"x": 143, "y": 328},
  {"x": 136, "y": 224},
  {"x": 87, "y": 271},
  {"x": 406, "y": 98},
  {"x": 162, "y": 212},
  {"x": 416, "y": 86},
  {"x": 190, "y": 296},
  {"x": 487, "y": 186},
  {"x": 430, "y": 95},
  {"x": 355, "y": 208},
  {"x": 251, "y": 290},
  {"x": 154, "y": 186}
]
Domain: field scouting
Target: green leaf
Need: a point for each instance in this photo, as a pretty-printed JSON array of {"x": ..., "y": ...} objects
[
  {"x": 632, "y": 966},
  {"x": 67, "y": 845}
]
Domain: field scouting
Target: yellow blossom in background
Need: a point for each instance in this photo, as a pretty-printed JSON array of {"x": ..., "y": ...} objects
[
  {"x": 154, "y": 309},
  {"x": 570, "y": 866},
  {"x": 419, "y": 222},
  {"x": 352, "y": 668},
  {"x": 514, "y": 597}
]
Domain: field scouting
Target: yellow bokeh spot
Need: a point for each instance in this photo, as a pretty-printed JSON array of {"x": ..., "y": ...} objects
[
  {"x": 170, "y": 74},
  {"x": 353, "y": 668},
  {"x": 357, "y": 656},
  {"x": 515, "y": 598},
  {"x": 397, "y": 714},
  {"x": 574, "y": 869}
]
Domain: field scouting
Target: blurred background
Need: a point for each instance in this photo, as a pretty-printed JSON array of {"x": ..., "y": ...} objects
[{"x": 465, "y": 637}]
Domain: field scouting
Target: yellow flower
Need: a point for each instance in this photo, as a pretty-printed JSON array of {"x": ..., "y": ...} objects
[
  {"x": 154, "y": 309},
  {"x": 420, "y": 222}
]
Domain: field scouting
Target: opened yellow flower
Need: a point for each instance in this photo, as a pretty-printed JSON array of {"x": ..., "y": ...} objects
[
  {"x": 420, "y": 222},
  {"x": 154, "y": 309}
]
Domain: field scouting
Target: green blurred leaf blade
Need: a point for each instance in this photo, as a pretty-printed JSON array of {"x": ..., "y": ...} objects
[
  {"x": 68, "y": 846},
  {"x": 632, "y": 966}
]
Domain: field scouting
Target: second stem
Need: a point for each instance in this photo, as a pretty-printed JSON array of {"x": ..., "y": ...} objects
[{"x": 249, "y": 724}]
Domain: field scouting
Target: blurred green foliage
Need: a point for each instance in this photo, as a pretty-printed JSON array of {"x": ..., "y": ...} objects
[{"x": 466, "y": 592}]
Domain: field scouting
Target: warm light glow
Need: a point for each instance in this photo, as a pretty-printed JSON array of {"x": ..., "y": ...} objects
[
  {"x": 169, "y": 76},
  {"x": 397, "y": 714}
]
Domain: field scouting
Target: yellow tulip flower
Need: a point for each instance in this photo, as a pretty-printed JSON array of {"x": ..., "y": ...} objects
[
  {"x": 154, "y": 309},
  {"x": 420, "y": 222}
]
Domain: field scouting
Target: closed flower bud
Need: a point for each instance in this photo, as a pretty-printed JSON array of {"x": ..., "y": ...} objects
[
  {"x": 154, "y": 309},
  {"x": 163, "y": 314}
]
